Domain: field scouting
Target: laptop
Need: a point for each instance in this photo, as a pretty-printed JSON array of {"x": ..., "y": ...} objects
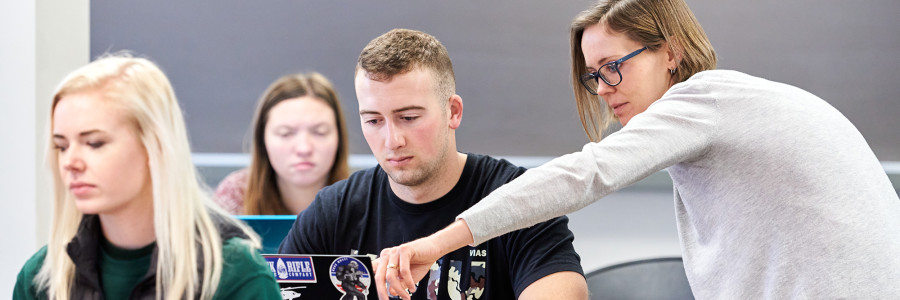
[
  {"x": 323, "y": 276},
  {"x": 271, "y": 228}
]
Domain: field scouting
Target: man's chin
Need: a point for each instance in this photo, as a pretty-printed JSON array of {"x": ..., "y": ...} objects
[{"x": 406, "y": 178}]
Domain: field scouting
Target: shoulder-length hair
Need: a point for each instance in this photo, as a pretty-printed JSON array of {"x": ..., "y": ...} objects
[
  {"x": 262, "y": 196},
  {"x": 183, "y": 213},
  {"x": 651, "y": 23}
]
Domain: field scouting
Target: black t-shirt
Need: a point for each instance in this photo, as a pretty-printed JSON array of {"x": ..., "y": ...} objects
[{"x": 361, "y": 215}]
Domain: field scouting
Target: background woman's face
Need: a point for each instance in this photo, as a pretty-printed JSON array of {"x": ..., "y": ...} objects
[
  {"x": 102, "y": 161},
  {"x": 645, "y": 77},
  {"x": 301, "y": 137}
]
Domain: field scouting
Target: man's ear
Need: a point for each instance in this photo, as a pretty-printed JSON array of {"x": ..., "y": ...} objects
[{"x": 456, "y": 111}]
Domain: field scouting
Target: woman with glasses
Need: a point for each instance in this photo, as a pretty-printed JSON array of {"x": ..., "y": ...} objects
[
  {"x": 130, "y": 219},
  {"x": 777, "y": 195}
]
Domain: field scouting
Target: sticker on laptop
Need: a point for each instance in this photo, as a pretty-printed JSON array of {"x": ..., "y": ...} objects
[
  {"x": 297, "y": 269},
  {"x": 351, "y": 277}
]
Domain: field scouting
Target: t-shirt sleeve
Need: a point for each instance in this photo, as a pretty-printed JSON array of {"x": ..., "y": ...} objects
[
  {"x": 540, "y": 250},
  {"x": 230, "y": 192},
  {"x": 311, "y": 233},
  {"x": 245, "y": 274},
  {"x": 680, "y": 127},
  {"x": 25, "y": 288}
]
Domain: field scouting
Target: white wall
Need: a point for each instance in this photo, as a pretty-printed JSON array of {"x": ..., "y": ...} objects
[
  {"x": 17, "y": 174},
  {"x": 43, "y": 40}
]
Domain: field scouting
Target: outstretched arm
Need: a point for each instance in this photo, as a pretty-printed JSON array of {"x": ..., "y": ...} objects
[{"x": 403, "y": 266}]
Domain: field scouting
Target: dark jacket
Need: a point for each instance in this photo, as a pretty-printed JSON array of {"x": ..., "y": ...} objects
[{"x": 84, "y": 250}]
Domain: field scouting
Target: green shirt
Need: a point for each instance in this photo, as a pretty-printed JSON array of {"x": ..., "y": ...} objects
[
  {"x": 122, "y": 269},
  {"x": 245, "y": 274}
]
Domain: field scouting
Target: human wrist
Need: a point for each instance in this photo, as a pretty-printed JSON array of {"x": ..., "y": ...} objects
[{"x": 454, "y": 236}]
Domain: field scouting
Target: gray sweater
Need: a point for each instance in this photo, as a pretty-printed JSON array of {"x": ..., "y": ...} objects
[{"x": 777, "y": 194}]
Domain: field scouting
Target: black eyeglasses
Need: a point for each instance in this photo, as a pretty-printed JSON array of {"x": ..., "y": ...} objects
[{"x": 609, "y": 72}]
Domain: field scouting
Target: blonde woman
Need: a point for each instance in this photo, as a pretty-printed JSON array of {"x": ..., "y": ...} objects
[
  {"x": 299, "y": 146},
  {"x": 777, "y": 195},
  {"x": 130, "y": 220}
]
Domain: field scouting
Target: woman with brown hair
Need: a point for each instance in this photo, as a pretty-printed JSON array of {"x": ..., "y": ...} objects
[
  {"x": 299, "y": 145},
  {"x": 777, "y": 194}
]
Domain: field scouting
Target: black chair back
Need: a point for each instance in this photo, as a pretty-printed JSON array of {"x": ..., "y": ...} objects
[{"x": 657, "y": 279}]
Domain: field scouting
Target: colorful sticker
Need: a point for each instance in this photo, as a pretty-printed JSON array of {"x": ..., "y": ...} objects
[{"x": 351, "y": 277}]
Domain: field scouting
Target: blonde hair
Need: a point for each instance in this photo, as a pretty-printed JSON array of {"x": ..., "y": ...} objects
[
  {"x": 651, "y": 23},
  {"x": 401, "y": 50},
  {"x": 183, "y": 213},
  {"x": 262, "y": 196}
]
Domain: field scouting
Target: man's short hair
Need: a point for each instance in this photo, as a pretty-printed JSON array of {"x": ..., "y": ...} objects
[{"x": 401, "y": 50}]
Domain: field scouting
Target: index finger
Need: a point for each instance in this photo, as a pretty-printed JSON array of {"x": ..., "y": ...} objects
[
  {"x": 380, "y": 270},
  {"x": 394, "y": 282},
  {"x": 403, "y": 269}
]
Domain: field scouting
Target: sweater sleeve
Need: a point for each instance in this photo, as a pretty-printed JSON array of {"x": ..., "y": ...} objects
[
  {"x": 230, "y": 192},
  {"x": 245, "y": 274},
  {"x": 25, "y": 288},
  {"x": 677, "y": 128}
]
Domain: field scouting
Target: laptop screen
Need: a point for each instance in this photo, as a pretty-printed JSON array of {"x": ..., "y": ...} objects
[
  {"x": 271, "y": 228},
  {"x": 323, "y": 276}
]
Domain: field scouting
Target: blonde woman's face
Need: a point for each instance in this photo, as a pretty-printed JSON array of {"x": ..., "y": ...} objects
[
  {"x": 645, "y": 77},
  {"x": 101, "y": 159},
  {"x": 301, "y": 137}
]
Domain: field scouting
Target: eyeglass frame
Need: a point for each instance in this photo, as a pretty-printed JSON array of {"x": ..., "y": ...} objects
[{"x": 616, "y": 63}]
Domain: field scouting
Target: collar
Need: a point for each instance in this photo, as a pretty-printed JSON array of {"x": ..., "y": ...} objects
[{"x": 84, "y": 250}]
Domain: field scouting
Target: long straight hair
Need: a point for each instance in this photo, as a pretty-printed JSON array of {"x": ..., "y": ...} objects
[
  {"x": 183, "y": 213},
  {"x": 652, "y": 23},
  {"x": 262, "y": 196}
]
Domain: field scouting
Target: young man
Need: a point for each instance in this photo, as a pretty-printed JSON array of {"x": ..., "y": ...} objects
[{"x": 409, "y": 112}]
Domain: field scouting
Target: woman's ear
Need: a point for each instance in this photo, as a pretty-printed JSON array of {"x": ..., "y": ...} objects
[{"x": 674, "y": 54}]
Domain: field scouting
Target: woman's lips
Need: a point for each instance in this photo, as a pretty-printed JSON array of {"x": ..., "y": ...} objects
[
  {"x": 80, "y": 189},
  {"x": 302, "y": 166},
  {"x": 619, "y": 108}
]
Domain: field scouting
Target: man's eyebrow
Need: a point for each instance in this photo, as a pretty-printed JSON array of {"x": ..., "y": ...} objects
[
  {"x": 411, "y": 107},
  {"x": 399, "y": 110}
]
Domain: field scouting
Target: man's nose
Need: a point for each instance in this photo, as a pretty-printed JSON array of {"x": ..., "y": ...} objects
[{"x": 394, "y": 138}]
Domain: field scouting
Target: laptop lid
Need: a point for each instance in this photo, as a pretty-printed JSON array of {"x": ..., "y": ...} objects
[
  {"x": 323, "y": 276},
  {"x": 271, "y": 228}
]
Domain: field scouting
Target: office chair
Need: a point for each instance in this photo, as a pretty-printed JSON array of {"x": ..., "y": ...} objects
[{"x": 658, "y": 278}]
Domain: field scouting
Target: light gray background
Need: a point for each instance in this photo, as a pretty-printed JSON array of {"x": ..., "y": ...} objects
[{"x": 511, "y": 59}]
